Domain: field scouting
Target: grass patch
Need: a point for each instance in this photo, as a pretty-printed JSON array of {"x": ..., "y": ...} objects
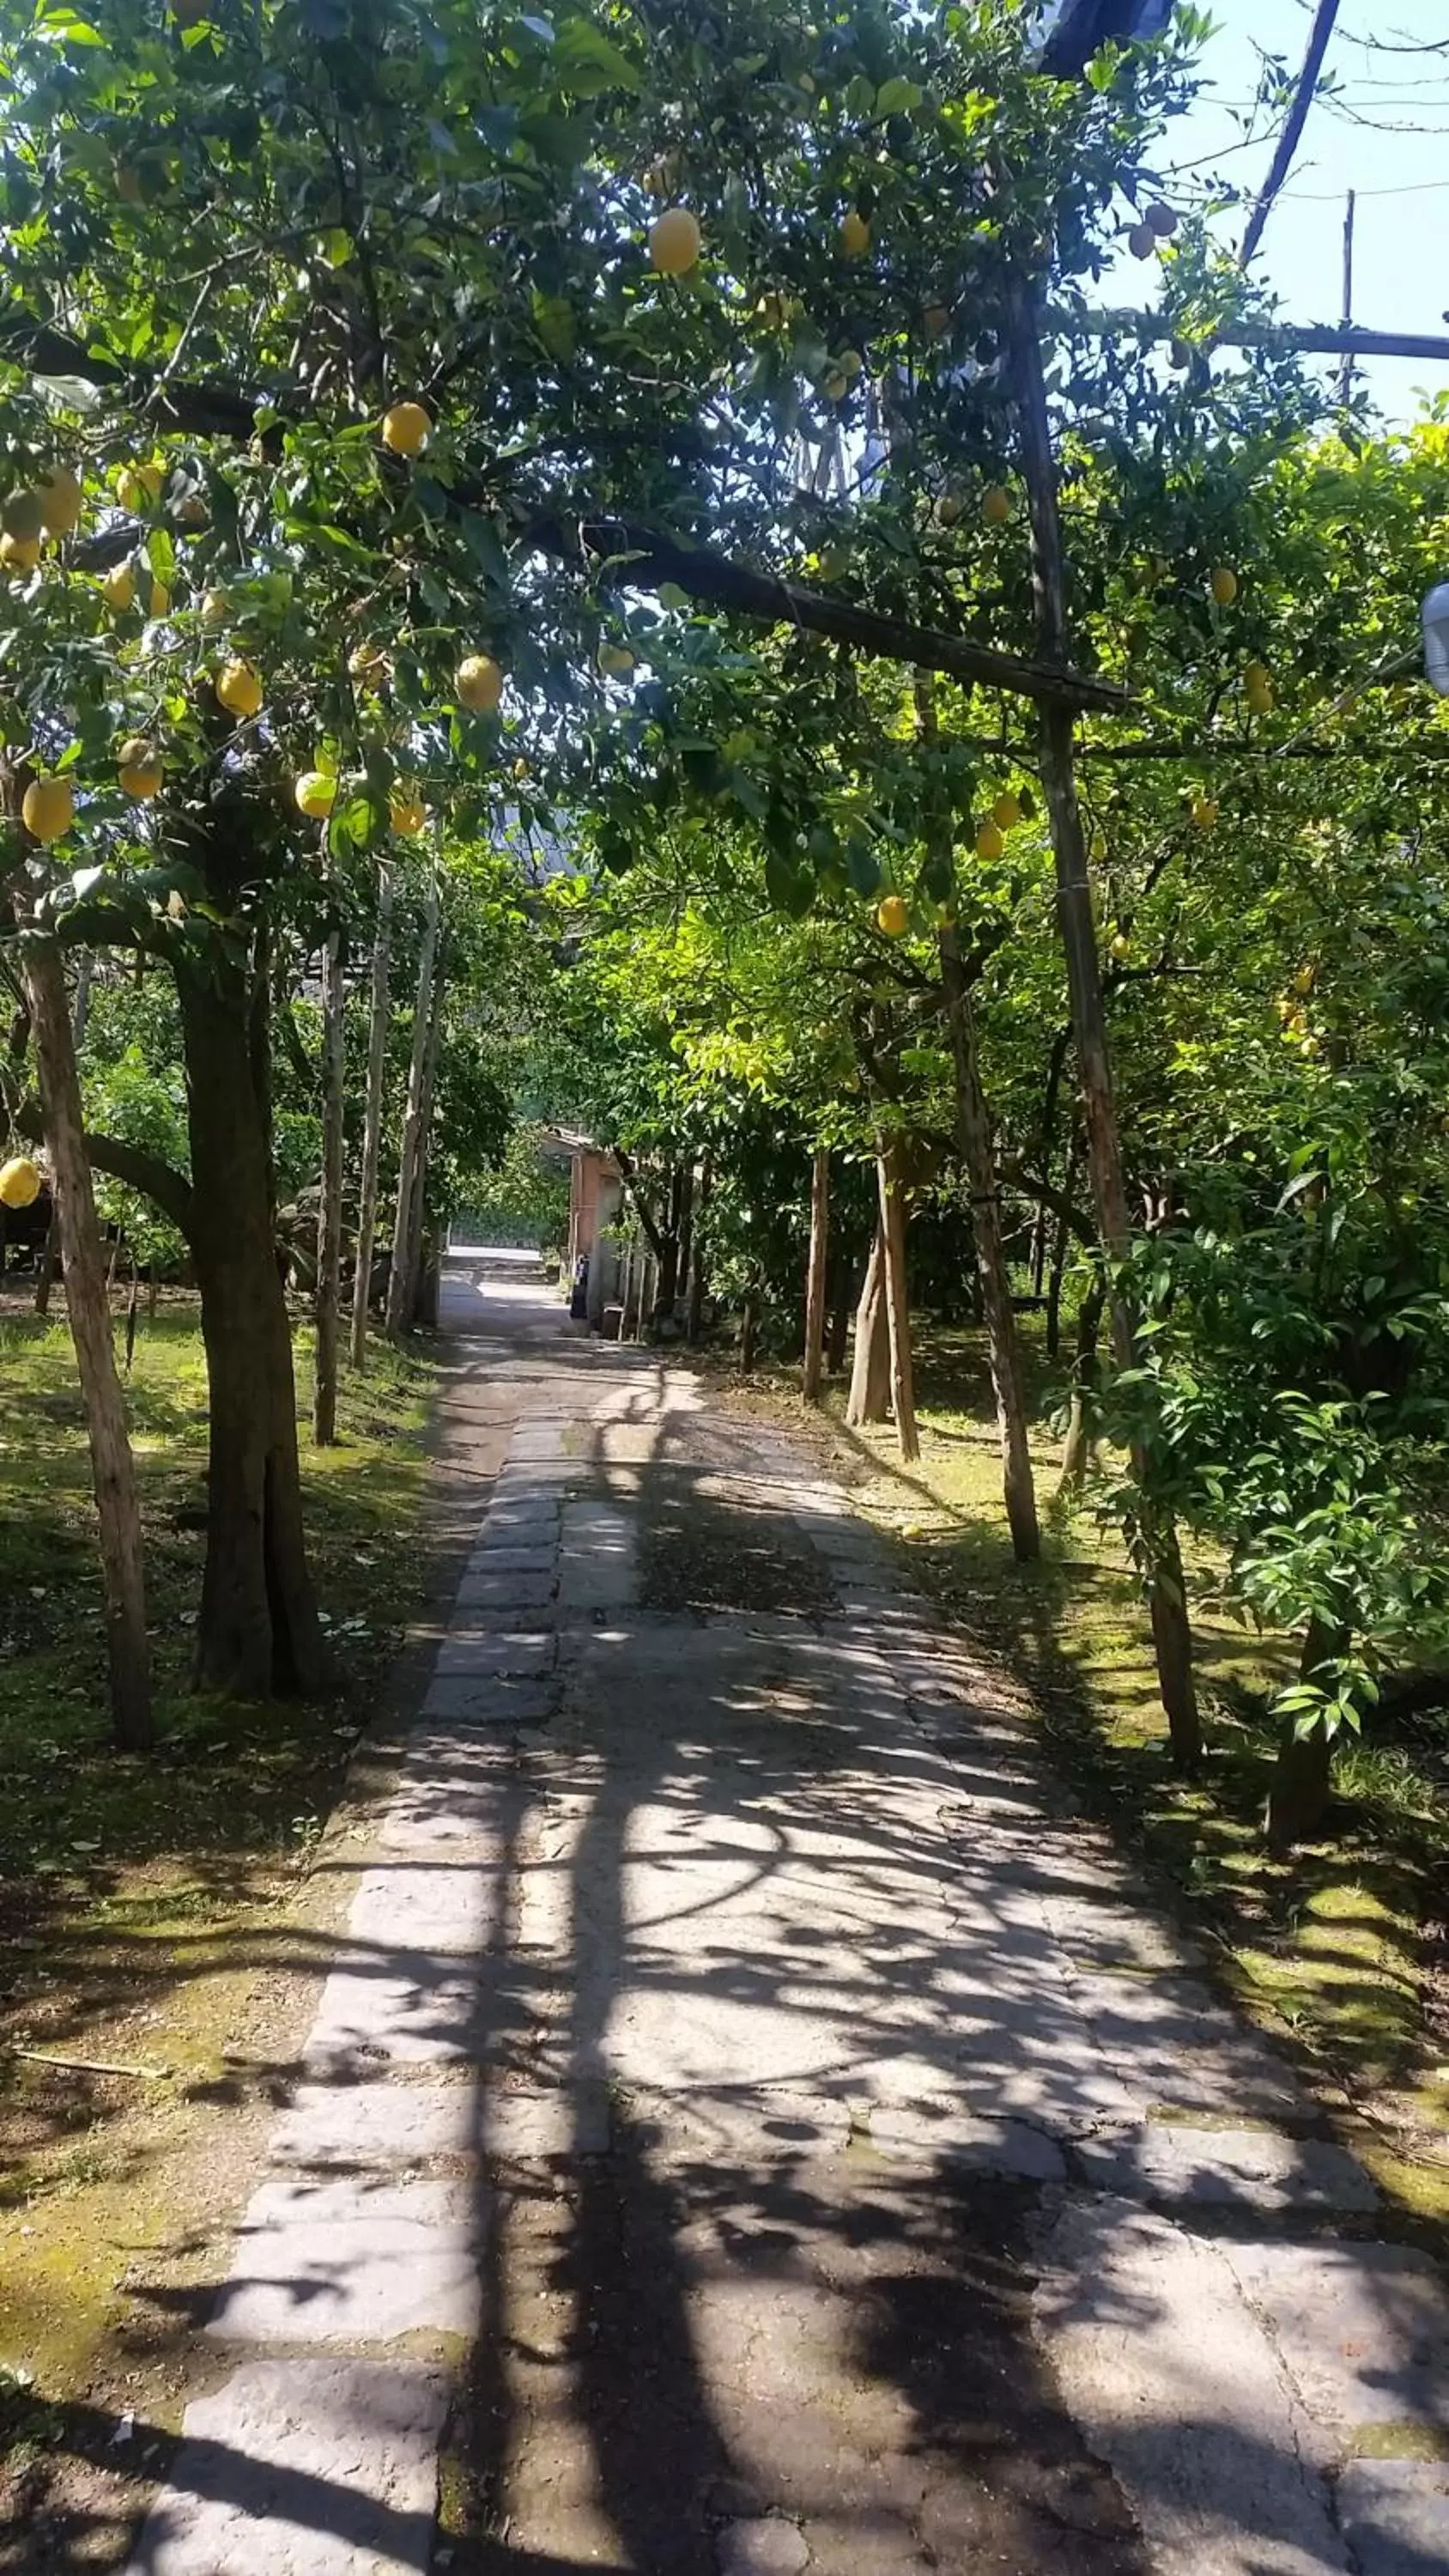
[
  {"x": 1343, "y": 1947},
  {"x": 148, "y": 1907}
]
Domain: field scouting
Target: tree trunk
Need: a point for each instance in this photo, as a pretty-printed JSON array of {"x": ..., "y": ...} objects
[
  {"x": 372, "y": 1125},
  {"x": 973, "y": 1137},
  {"x": 407, "y": 1170},
  {"x": 417, "y": 1217},
  {"x": 329, "y": 1206},
  {"x": 810, "y": 1374},
  {"x": 1303, "y": 1773},
  {"x": 629, "y": 1294},
  {"x": 838, "y": 1309},
  {"x": 643, "y": 1312},
  {"x": 258, "y": 1629},
  {"x": 683, "y": 1284},
  {"x": 749, "y": 1331},
  {"x": 870, "y": 1375},
  {"x": 113, "y": 1469},
  {"x": 1172, "y": 1634},
  {"x": 897, "y": 1303},
  {"x": 45, "y": 1273},
  {"x": 1077, "y": 1447},
  {"x": 1060, "y": 1250},
  {"x": 694, "y": 1313}
]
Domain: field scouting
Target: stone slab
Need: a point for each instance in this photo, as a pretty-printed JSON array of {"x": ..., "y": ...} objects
[
  {"x": 1394, "y": 2515},
  {"x": 507, "y": 1555},
  {"x": 765, "y": 2547},
  {"x": 597, "y": 1583},
  {"x": 1242, "y": 2168},
  {"x": 940, "y": 2135},
  {"x": 1177, "y": 2387},
  {"x": 471, "y": 1654},
  {"x": 303, "y": 2468},
  {"x": 488, "y": 1588},
  {"x": 352, "y": 2261},
  {"x": 377, "y": 2125},
  {"x": 1363, "y": 2330},
  {"x": 442, "y": 1907},
  {"x": 551, "y": 2126},
  {"x": 409, "y": 2010},
  {"x": 489, "y": 1702}
]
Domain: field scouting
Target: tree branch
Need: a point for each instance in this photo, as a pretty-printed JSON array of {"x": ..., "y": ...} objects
[
  {"x": 155, "y": 1180},
  {"x": 630, "y": 1180},
  {"x": 1297, "y": 118},
  {"x": 632, "y": 551}
]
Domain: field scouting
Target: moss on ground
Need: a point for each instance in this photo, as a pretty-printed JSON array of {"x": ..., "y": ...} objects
[
  {"x": 1342, "y": 1947},
  {"x": 159, "y": 1915}
]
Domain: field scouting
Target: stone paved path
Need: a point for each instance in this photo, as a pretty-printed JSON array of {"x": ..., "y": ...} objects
[{"x": 754, "y": 2127}]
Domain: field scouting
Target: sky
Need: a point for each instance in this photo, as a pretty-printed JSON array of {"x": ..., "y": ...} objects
[{"x": 1386, "y": 136}]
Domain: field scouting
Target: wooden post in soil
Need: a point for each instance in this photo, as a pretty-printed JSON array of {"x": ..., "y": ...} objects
[
  {"x": 1171, "y": 1632},
  {"x": 329, "y": 1205},
  {"x": 897, "y": 1301},
  {"x": 698, "y": 1277},
  {"x": 113, "y": 1468},
  {"x": 372, "y": 1120},
  {"x": 811, "y": 1372},
  {"x": 418, "y": 1212},
  {"x": 407, "y": 1169}
]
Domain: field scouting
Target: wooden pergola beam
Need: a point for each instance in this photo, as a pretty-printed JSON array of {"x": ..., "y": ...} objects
[{"x": 1304, "y": 339}]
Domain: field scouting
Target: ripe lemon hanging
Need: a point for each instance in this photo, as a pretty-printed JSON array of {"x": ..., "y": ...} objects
[
  {"x": 215, "y": 608},
  {"x": 479, "y": 683},
  {"x": 118, "y": 589},
  {"x": 891, "y": 915},
  {"x": 19, "y": 1182},
  {"x": 138, "y": 487},
  {"x": 369, "y": 668},
  {"x": 996, "y": 506},
  {"x": 139, "y": 764},
  {"x": 160, "y": 599},
  {"x": 406, "y": 429},
  {"x": 48, "y": 808},
  {"x": 1223, "y": 584},
  {"x": 316, "y": 793},
  {"x": 1204, "y": 812},
  {"x": 19, "y": 554},
  {"x": 855, "y": 234},
  {"x": 239, "y": 689},
  {"x": 990, "y": 841},
  {"x": 675, "y": 241},
  {"x": 406, "y": 811},
  {"x": 60, "y": 500},
  {"x": 22, "y": 514},
  {"x": 1006, "y": 810}
]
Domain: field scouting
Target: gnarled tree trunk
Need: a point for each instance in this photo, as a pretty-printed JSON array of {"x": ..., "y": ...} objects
[
  {"x": 329, "y": 1205},
  {"x": 870, "y": 1374},
  {"x": 897, "y": 1299},
  {"x": 258, "y": 1629},
  {"x": 1303, "y": 1774}
]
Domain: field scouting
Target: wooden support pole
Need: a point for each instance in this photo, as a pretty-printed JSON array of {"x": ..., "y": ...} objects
[
  {"x": 897, "y": 1299},
  {"x": 372, "y": 1119},
  {"x": 329, "y": 1204},
  {"x": 113, "y": 1469},
  {"x": 1172, "y": 1634},
  {"x": 812, "y": 1370}
]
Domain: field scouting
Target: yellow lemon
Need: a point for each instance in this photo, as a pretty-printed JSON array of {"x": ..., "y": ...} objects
[
  {"x": 1006, "y": 810},
  {"x": 855, "y": 234},
  {"x": 60, "y": 500},
  {"x": 406, "y": 811},
  {"x": 406, "y": 429},
  {"x": 990, "y": 842},
  {"x": 316, "y": 793},
  {"x": 160, "y": 599},
  {"x": 19, "y": 554},
  {"x": 1121, "y": 945},
  {"x": 479, "y": 683},
  {"x": 675, "y": 241},
  {"x": 239, "y": 689},
  {"x": 369, "y": 668},
  {"x": 616, "y": 661},
  {"x": 22, "y": 514},
  {"x": 118, "y": 589},
  {"x": 19, "y": 1182},
  {"x": 138, "y": 487},
  {"x": 215, "y": 607},
  {"x": 1204, "y": 812},
  {"x": 996, "y": 506},
  {"x": 1223, "y": 583},
  {"x": 949, "y": 507},
  {"x": 48, "y": 808},
  {"x": 891, "y": 915},
  {"x": 139, "y": 764}
]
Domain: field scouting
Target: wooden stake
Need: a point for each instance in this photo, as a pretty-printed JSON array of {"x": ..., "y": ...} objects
[
  {"x": 329, "y": 1205},
  {"x": 372, "y": 1125},
  {"x": 113, "y": 1469},
  {"x": 811, "y": 1372},
  {"x": 897, "y": 1303}
]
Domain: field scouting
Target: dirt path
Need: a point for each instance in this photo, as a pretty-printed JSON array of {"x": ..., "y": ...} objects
[{"x": 752, "y": 2126}]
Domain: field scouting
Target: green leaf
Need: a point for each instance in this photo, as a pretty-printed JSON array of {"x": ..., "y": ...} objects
[{"x": 589, "y": 63}]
